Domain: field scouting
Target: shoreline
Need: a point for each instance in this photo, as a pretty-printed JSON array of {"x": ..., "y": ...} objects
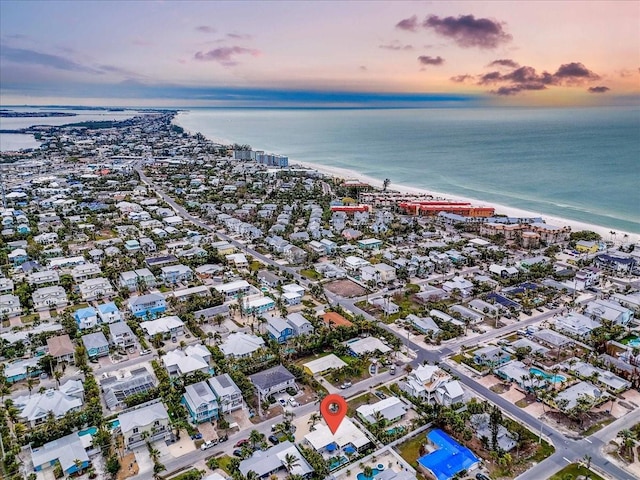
[
  {"x": 346, "y": 173},
  {"x": 500, "y": 209}
]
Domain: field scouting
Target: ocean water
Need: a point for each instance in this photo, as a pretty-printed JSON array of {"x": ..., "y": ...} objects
[
  {"x": 18, "y": 141},
  {"x": 577, "y": 163}
]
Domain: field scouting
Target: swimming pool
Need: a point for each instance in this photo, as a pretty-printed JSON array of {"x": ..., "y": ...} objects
[
  {"x": 89, "y": 431},
  {"x": 394, "y": 430},
  {"x": 552, "y": 378},
  {"x": 634, "y": 343},
  {"x": 115, "y": 424},
  {"x": 362, "y": 476}
]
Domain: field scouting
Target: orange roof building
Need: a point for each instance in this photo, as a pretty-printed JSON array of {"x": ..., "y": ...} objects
[{"x": 333, "y": 318}]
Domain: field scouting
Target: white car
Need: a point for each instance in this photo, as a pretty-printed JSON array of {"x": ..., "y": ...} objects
[
  {"x": 293, "y": 403},
  {"x": 145, "y": 352},
  {"x": 207, "y": 445}
]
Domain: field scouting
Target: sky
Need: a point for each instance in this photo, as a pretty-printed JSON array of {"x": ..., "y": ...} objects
[{"x": 297, "y": 53}]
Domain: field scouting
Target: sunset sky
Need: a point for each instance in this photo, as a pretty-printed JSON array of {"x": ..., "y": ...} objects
[{"x": 319, "y": 53}]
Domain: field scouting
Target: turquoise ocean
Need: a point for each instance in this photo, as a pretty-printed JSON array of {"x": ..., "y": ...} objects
[{"x": 581, "y": 164}]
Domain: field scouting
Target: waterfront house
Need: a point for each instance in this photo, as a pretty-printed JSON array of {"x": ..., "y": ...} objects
[{"x": 153, "y": 419}]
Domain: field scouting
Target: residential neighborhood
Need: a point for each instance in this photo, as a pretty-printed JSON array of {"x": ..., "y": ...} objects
[{"x": 176, "y": 308}]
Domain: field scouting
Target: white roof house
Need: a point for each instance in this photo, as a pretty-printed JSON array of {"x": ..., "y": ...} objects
[
  {"x": 273, "y": 459},
  {"x": 576, "y": 324},
  {"x": 178, "y": 362},
  {"x": 581, "y": 389},
  {"x": 163, "y": 325},
  {"x": 66, "y": 450},
  {"x": 241, "y": 344},
  {"x": 367, "y": 345},
  {"x": 34, "y": 408},
  {"x": 391, "y": 408},
  {"x": 347, "y": 433},
  {"x": 142, "y": 417},
  {"x": 323, "y": 364}
]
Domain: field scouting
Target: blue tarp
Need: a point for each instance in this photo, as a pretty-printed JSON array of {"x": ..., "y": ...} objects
[{"x": 449, "y": 459}]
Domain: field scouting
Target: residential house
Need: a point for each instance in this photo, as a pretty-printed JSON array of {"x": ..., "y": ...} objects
[
  {"x": 424, "y": 325},
  {"x": 140, "y": 279},
  {"x": 231, "y": 290},
  {"x": 96, "y": 344},
  {"x": 61, "y": 348},
  {"x": 609, "y": 310},
  {"x": 257, "y": 304},
  {"x": 174, "y": 274},
  {"x": 10, "y": 305},
  {"x": 151, "y": 304},
  {"x": 211, "y": 313},
  {"x": 193, "y": 358},
  {"x": 48, "y": 298},
  {"x": 568, "y": 398},
  {"x": 459, "y": 284},
  {"x": 267, "y": 463},
  {"x": 200, "y": 401},
  {"x": 241, "y": 345},
  {"x": 121, "y": 335},
  {"x": 228, "y": 394},
  {"x": 108, "y": 313},
  {"x": 369, "y": 244},
  {"x": 86, "y": 317},
  {"x": 363, "y": 346},
  {"x": 335, "y": 319},
  {"x": 391, "y": 409},
  {"x": 576, "y": 324},
  {"x": 116, "y": 389},
  {"x": 299, "y": 324},
  {"x": 69, "y": 452},
  {"x": 43, "y": 277},
  {"x": 96, "y": 288},
  {"x": 167, "y": 327},
  {"x": 273, "y": 380},
  {"x": 35, "y": 407},
  {"x": 153, "y": 419},
  {"x": 279, "y": 329},
  {"x": 21, "y": 369},
  {"x": 85, "y": 271},
  {"x": 269, "y": 279},
  {"x": 490, "y": 355},
  {"x": 506, "y": 441},
  {"x": 449, "y": 393}
]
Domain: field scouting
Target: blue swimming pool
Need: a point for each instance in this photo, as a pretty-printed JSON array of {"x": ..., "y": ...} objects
[
  {"x": 89, "y": 431},
  {"x": 362, "y": 476},
  {"x": 551, "y": 378},
  {"x": 634, "y": 343},
  {"x": 115, "y": 424},
  {"x": 394, "y": 430}
]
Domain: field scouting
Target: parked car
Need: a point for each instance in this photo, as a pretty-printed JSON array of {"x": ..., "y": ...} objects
[
  {"x": 145, "y": 352},
  {"x": 480, "y": 476},
  {"x": 196, "y": 436},
  {"x": 380, "y": 395},
  {"x": 282, "y": 402},
  {"x": 223, "y": 439},
  {"x": 293, "y": 402},
  {"x": 273, "y": 439},
  {"x": 242, "y": 442},
  {"x": 207, "y": 445},
  {"x": 392, "y": 369},
  {"x": 174, "y": 339},
  {"x": 237, "y": 453},
  {"x": 345, "y": 385}
]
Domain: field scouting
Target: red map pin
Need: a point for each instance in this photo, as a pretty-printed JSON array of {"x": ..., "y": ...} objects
[{"x": 333, "y": 409}]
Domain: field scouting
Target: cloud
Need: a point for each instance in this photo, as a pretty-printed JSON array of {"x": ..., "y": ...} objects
[
  {"x": 504, "y": 62},
  {"x": 469, "y": 31},
  {"x": 427, "y": 60},
  {"x": 598, "y": 89},
  {"x": 225, "y": 55},
  {"x": 410, "y": 24},
  {"x": 574, "y": 73},
  {"x": 205, "y": 29},
  {"x": 395, "y": 45},
  {"x": 515, "y": 89},
  {"x": 239, "y": 36},
  {"x": 32, "y": 57},
  {"x": 461, "y": 78}
]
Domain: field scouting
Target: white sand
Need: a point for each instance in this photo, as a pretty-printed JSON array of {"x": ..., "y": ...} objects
[{"x": 500, "y": 209}]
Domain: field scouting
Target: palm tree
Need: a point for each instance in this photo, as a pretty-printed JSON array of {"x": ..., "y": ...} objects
[
  {"x": 290, "y": 461},
  {"x": 58, "y": 375},
  {"x": 251, "y": 475},
  {"x": 313, "y": 419},
  {"x": 78, "y": 464},
  {"x": 255, "y": 437}
]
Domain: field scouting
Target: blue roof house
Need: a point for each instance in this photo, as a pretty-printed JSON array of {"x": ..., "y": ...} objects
[
  {"x": 109, "y": 313},
  {"x": 86, "y": 317},
  {"x": 279, "y": 329},
  {"x": 449, "y": 459}
]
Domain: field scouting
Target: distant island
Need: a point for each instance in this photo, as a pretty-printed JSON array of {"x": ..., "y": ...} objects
[{"x": 12, "y": 114}]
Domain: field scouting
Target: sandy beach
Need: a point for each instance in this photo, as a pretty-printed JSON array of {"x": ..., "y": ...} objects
[{"x": 500, "y": 209}]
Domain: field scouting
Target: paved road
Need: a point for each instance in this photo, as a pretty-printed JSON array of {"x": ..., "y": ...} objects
[{"x": 568, "y": 450}]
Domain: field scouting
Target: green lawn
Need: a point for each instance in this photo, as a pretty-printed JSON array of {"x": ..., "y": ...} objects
[
  {"x": 361, "y": 400},
  {"x": 410, "y": 450},
  {"x": 575, "y": 470},
  {"x": 311, "y": 274},
  {"x": 223, "y": 462}
]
